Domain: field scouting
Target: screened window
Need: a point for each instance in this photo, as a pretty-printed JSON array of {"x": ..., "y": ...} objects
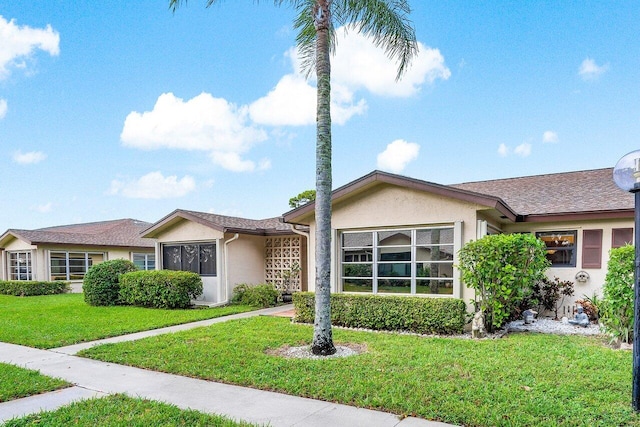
[
  {"x": 20, "y": 266},
  {"x": 144, "y": 261},
  {"x": 592, "y": 249},
  {"x": 561, "y": 247},
  {"x": 407, "y": 261},
  {"x": 197, "y": 257},
  {"x": 621, "y": 237},
  {"x": 72, "y": 265}
]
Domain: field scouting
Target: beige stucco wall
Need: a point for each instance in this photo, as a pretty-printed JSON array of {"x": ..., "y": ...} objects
[
  {"x": 596, "y": 275},
  {"x": 389, "y": 206},
  {"x": 40, "y": 257},
  {"x": 187, "y": 231},
  {"x": 245, "y": 260}
]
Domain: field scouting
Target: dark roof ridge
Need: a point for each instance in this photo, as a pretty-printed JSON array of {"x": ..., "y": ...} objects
[{"x": 533, "y": 176}]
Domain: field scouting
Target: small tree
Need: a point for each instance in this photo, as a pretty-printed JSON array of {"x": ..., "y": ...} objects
[
  {"x": 501, "y": 268},
  {"x": 302, "y": 198},
  {"x": 616, "y": 307}
]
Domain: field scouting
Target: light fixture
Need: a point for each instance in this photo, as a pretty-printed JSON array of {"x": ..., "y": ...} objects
[{"x": 626, "y": 175}]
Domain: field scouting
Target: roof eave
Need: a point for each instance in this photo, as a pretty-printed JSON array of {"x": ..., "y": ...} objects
[
  {"x": 580, "y": 216},
  {"x": 168, "y": 220}
]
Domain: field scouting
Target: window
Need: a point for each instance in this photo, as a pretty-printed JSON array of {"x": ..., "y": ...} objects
[
  {"x": 592, "y": 249},
  {"x": 408, "y": 261},
  {"x": 197, "y": 257},
  {"x": 20, "y": 266},
  {"x": 561, "y": 247},
  {"x": 621, "y": 237},
  {"x": 144, "y": 261},
  {"x": 72, "y": 265}
]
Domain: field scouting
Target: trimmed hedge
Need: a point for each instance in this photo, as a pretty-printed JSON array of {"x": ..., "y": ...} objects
[
  {"x": 263, "y": 295},
  {"x": 392, "y": 313},
  {"x": 102, "y": 282},
  {"x": 25, "y": 288},
  {"x": 160, "y": 288}
]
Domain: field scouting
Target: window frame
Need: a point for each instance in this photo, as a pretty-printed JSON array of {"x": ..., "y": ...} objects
[
  {"x": 197, "y": 263},
  {"x": 413, "y": 282},
  {"x": 572, "y": 263},
  {"x": 146, "y": 261},
  {"x": 17, "y": 274},
  {"x": 70, "y": 275}
]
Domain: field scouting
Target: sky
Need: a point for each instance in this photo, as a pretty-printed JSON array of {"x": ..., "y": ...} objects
[{"x": 115, "y": 109}]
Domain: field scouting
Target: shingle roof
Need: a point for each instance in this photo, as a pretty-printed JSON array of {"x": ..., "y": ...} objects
[
  {"x": 230, "y": 223},
  {"x": 120, "y": 232},
  {"x": 558, "y": 193},
  {"x": 223, "y": 223}
]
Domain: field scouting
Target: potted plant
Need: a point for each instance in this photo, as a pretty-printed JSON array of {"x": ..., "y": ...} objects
[{"x": 290, "y": 282}]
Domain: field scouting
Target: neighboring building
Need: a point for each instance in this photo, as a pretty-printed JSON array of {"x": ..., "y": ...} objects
[
  {"x": 227, "y": 251},
  {"x": 66, "y": 252},
  {"x": 398, "y": 235}
]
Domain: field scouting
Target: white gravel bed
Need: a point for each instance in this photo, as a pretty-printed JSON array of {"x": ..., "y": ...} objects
[{"x": 550, "y": 326}]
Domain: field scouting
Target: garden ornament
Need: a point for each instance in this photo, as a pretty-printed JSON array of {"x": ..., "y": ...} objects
[
  {"x": 477, "y": 325},
  {"x": 580, "y": 319},
  {"x": 529, "y": 316}
]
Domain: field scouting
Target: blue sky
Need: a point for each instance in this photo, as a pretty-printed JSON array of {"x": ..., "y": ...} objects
[{"x": 124, "y": 110}]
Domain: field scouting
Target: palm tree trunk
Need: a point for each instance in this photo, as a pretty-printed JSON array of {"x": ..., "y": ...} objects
[{"x": 322, "y": 335}]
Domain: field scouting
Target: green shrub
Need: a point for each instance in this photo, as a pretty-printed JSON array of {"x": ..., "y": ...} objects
[
  {"x": 391, "y": 313},
  {"x": 102, "y": 282},
  {"x": 502, "y": 268},
  {"x": 160, "y": 288},
  {"x": 616, "y": 306},
  {"x": 26, "y": 288},
  {"x": 263, "y": 295}
]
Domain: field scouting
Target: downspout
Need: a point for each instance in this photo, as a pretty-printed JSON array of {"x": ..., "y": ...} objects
[
  {"x": 226, "y": 269},
  {"x": 306, "y": 235}
]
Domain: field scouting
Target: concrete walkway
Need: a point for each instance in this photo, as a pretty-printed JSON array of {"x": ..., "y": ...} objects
[{"x": 94, "y": 378}]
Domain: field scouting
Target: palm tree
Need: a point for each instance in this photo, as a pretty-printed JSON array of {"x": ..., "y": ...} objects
[{"x": 386, "y": 22}]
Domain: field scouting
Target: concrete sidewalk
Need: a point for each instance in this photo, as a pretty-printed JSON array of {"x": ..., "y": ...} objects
[{"x": 95, "y": 378}]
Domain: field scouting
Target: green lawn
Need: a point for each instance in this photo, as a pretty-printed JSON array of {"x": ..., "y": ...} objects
[
  {"x": 57, "y": 320},
  {"x": 18, "y": 382},
  {"x": 520, "y": 380},
  {"x": 119, "y": 410}
]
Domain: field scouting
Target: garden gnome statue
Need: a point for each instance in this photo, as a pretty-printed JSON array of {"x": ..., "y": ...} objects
[
  {"x": 580, "y": 319},
  {"x": 477, "y": 325},
  {"x": 529, "y": 316}
]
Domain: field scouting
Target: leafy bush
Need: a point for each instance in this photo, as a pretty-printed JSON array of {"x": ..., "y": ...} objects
[
  {"x": 101, "y": 284},
  {"x": 263, "y": 295},
  {"x": 591, "y": 305},
  {"x": 392, "y": 313},
  {"x": 502, "y": 268},
  {"x": 616, "y": 307},
  {"x": 160, "y": 288},
  {"x": 25, "y": 288},
  {"x": 546, "y": 295}
]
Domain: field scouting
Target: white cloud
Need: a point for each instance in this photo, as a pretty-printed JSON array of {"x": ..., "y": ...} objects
[
  {"x": 17, "y": 44},
  {"x": 589, "y": 70},
  {"x": 503, "y": 150},
  {"x": 293, "y": 103},
  {"x": 30, "y": 158},
  {"x": 550, "y": 136},
  {"x": 358, "y": 63},
  {"x": 523, "y": 150},
  {"x": 397, "y": 155},
  {"x": 153, "y": 186},
  {"x": 202, "y": 123},
  {"x": 3, "y": 108}
]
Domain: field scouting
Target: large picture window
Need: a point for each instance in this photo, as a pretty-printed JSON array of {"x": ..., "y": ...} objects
[
  {"x": 197, "y": 257},
  {"x": 72, "y": 265},
  {"x": 407, "y": 261},
  {"x": 20, "y": 266},
  {"x": 561, "y": 247}
]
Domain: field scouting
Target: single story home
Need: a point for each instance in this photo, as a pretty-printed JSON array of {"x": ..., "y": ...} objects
[
  {"x": 391, "y": 235},
  {"x": 66, "y": 252},
  {"x": 398, "y": 235},
  {"x": 227, "y": 251}
]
